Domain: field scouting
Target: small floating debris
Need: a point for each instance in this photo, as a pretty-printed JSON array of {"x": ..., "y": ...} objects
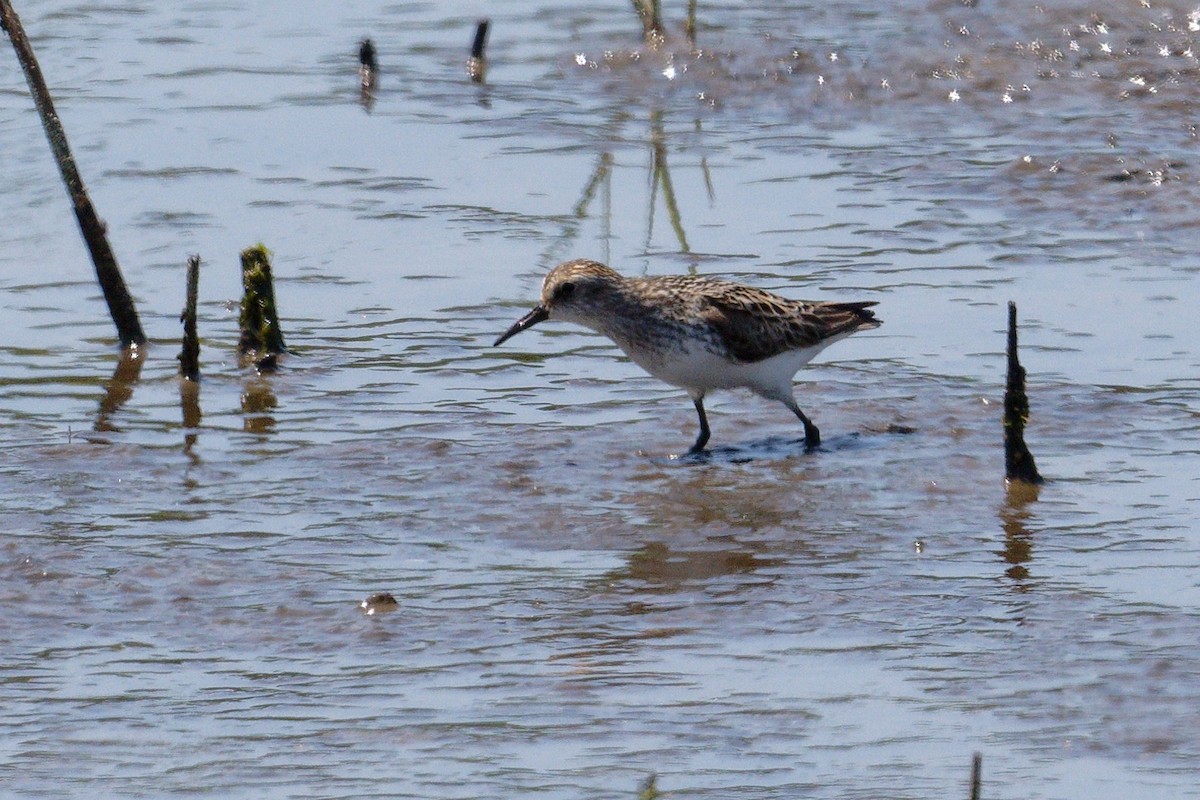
[{"x": 379, "y": 603}]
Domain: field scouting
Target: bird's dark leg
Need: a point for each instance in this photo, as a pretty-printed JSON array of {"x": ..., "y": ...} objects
[
  {"x": 812, "y": 436},
  {"x": 705, "y": 433}
]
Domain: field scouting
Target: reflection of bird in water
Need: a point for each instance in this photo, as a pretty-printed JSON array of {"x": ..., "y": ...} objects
[{"x": 700, "y": 333}]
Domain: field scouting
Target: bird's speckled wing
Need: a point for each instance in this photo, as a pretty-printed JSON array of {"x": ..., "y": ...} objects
[{"x": 755, "y": 325}]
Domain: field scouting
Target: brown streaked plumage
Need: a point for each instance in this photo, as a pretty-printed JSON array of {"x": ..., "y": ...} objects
[{"x": 700, "y": 333}]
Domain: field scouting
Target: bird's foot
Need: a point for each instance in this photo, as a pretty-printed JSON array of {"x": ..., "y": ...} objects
[{"x": 812, "y": 437}]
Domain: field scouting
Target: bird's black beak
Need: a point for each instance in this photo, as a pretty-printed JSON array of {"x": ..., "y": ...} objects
[{"x": 539, "y": 314}]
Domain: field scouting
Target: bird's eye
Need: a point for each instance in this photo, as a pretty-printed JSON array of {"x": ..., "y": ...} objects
[{"x": 564, "y": 291}]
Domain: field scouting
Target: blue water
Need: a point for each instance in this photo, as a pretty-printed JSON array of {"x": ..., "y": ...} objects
[{"x": 576, "y": 609}]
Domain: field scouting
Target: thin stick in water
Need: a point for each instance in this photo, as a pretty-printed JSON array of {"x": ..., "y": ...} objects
[
  {"x": 368, "y": 67},
  {"x": 477, "y": 63},
  {"x": 189, "y": 356},
  {"x": 976, "y": 775},
  {"x": 112, "y": 284},
  {"x": 1018, "y": 461}
]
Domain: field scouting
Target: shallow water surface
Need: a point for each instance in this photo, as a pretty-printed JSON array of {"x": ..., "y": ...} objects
[{"x": 181, "y": 573}]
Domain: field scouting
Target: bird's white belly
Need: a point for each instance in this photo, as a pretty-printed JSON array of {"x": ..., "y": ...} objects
[{"x": 700, "y": 369}]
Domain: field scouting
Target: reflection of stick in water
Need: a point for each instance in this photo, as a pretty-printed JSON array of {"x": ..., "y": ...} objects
[
  {"x": 120, "y": 387},
  {"x": 262, "y": 339},
  {"x": 660, "y": 173},
  {"x": 601, "y": 176},
  {"x": 258, "y": 401},
  {"x": 650, "y": 13},
  {"x": 116, "y": 294},
  {"x": 1018, "y": 461},
  {"x": 589, "y": 191},
  {"x": 704, "y": 170},
  {"x": 189, "y": 402}
]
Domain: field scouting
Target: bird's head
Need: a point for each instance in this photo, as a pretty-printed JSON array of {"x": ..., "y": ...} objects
[{"x": 572, "y": 291}]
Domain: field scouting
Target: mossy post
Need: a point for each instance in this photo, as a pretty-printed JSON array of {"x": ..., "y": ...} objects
[
  {"x": 112, "y": 284},
  {"x": 1018, "y": 461},
  {"x": 976, "y": 775},
  {"x": 189, "y": 356},
  {"x": 649, "y": 788},
  {"x": 262, "y": 339}
]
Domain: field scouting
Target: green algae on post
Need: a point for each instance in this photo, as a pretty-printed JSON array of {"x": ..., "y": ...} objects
[
  {"x": 1018, "y": 461},
  {"x": 262, "y": 339},
  {"x": 108, "y": 274},
  {"x": 649, "y": 788},
  {"x": 189, "y": 356}
]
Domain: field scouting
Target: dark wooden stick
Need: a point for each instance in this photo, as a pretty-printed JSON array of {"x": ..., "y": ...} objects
[
  {"x": 481, "y": 32},
  {"x": 477, "y": 63},
  {"x": 189, "y": 356},
  {"x": 368, "y": 66},
  {"x": 116, "y": 294},
  {"x": 976, "y": 775},
  {"x": 1018, "y": 461}
]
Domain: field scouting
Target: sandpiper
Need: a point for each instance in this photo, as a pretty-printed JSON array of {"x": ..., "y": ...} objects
[{"x": 700, "y": 333}]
